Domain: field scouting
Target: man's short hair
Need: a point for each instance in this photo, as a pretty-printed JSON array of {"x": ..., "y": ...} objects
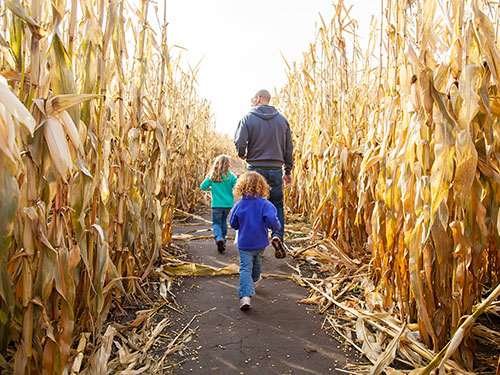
[{"x": 264, "y": 94}]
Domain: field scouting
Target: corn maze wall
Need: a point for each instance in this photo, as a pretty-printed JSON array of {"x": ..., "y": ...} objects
[
  {"x": 98, "y": 124},
  {"x": 396, "y": 161},
  {"x": 397, "y": 150}
]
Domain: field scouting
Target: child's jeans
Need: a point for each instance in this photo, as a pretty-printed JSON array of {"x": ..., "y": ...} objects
[
  {"x": 250, "y": 268},
  {"x": 219, "y": 222}
]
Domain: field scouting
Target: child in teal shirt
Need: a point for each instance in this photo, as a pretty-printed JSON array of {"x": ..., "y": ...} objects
[{"x": 221, "y": 182}]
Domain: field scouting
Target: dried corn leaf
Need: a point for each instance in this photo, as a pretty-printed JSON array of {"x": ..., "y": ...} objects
[
  {"x": 389, "y": 354},
  {"x": 193, "y": 269},
  {"x": 13, "y": 106},
  {"x": 182, "y": 237},
  {"x": 58, "y": 147},
  {"x": 16, "y": 8}
]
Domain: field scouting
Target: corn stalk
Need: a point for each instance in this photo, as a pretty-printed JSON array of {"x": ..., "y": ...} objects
[
  {"x": 93, "y": 159},
  {"x": 397, "y": 155}
]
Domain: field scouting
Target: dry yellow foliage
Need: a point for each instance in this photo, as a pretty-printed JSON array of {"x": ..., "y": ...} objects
[
  {"x": 397, "y": 154},
  {"x": 102, "y": 134}
]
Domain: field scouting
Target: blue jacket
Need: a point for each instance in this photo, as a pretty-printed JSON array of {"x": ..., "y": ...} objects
[{"x": 252, "y": 217}]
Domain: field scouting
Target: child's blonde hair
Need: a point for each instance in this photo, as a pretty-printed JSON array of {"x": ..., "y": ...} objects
[
  {"x": 219, "y": 168},
  {"x": 253, "y": 184}
]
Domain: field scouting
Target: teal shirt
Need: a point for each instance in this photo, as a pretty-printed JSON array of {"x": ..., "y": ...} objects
[{"x": 222, "y": 192}]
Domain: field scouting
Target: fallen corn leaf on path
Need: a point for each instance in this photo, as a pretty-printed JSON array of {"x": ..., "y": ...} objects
[{"x": 276, "y": 336}]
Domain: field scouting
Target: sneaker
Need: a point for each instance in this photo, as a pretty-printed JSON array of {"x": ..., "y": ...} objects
[
  {"x": 221, "y": 246},
  {"x": 244, "y": 303},
  {"x": 279, "y": 250}
]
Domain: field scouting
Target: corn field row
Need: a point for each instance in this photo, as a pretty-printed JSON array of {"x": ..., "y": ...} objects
[
  {"x": 98, "y": 126},
  {"x": 397, "y": 154}
]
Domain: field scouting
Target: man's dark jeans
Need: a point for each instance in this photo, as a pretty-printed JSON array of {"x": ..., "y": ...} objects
[{"x": 274, "y": 178}]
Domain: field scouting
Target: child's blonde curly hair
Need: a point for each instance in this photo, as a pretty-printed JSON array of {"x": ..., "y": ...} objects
[
  {"x": 219, "y": 168},
  {"x": 252, "y": 184}
]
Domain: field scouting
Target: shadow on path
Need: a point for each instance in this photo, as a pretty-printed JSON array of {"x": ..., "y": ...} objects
[{"x": 276, "y": 336}]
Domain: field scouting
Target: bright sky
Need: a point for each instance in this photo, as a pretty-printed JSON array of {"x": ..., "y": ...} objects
[{"x": 240, "y": 44}]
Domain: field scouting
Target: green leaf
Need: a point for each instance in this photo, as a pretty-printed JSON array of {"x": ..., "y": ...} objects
[
  {"x": 63, "y": 82},
  {"x": 9, "y": 198},
  {"x": 16, "y": 37}
]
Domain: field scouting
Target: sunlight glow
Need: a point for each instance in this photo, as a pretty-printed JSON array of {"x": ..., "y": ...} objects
[{"x": 240, "y": 45}]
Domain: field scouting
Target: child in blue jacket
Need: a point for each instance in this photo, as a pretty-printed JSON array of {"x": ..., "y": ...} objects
[
  {"x": 252, "y": 216},
  {"x": 221, "y": 182}
]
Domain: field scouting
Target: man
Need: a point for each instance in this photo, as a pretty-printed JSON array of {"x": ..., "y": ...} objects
[{"x": 264, "y": 139}]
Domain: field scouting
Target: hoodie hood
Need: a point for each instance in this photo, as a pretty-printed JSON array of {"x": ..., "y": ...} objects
[{"x": 265, "y": 112}]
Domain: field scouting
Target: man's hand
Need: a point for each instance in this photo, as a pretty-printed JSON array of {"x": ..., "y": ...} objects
[
  {"x": 242, "y": 152},
  {"x": 287, "y": 181}
]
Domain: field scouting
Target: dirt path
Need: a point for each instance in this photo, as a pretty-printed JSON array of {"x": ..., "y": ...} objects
[{"x": 276, "y": 336}]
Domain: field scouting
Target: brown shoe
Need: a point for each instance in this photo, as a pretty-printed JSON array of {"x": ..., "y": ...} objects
[
  {"x": 279, "y": 250},
  {"x": 221, "y": 246}
]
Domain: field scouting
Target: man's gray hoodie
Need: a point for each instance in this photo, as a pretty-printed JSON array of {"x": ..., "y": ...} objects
[{"x": 264, "y": 137}]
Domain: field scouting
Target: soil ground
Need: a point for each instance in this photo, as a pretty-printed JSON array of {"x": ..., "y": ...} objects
[{"x": 276, "y": 336}]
